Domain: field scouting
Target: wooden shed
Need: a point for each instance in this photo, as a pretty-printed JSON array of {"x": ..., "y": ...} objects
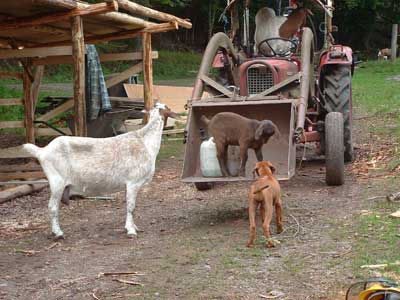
[{"x": 42, "y": 32}]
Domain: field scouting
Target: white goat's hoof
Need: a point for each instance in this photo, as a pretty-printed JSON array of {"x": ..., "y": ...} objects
[
  {"x": 58, "y": 237},
  {"x": 132, "y": 234}
]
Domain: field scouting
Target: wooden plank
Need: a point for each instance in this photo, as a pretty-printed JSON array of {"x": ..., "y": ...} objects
[
  {"x": 51, "y": 132},
  {"x": 12, "y": 124},
  {"x": 13, "y": 101},
  {"x": 216, "y": 86},
  {"x": 151, "y": 13},
  {"x": 121, "y": 35},
  {"x": 79, "y": 76},
  {"x": 24, "y": 167},
  {"x": 124, "y": 75},
  {"x": 147, "y": 74},
  {"x": 93, "y": 9},
  {"x": 67, "y": 59},
  {"x": 21, "y": 182},
  {"x": 35, "y": 52},
  {"x": 58, "y": 110},
  {"x": 174, "y": 131},
  {"x": 13, "y": 152},
  {"x": 175, "y": 97},
  {"x": 28, "y": 107},
  {"x": 21, "y": 175},
  {"x": 10, "y": 75},
  {"x": 278, "y": 86}
]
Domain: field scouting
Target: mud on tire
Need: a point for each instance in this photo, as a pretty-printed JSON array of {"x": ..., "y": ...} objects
[{"x": 337, "y": 98}]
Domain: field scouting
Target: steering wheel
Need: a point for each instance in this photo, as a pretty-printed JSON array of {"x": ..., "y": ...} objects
[{"x": 275, "y": 52}]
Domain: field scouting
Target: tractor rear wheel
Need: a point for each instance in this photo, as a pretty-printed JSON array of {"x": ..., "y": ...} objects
[
  {"x": 203, "y": 186},
  {"x": 334, "y": 149},
  {"x": 337, "y": 96}
]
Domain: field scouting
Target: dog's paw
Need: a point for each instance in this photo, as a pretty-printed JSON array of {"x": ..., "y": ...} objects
[
  {"x": 279, "y": 229},
  {"x": 250, "y": 245}
]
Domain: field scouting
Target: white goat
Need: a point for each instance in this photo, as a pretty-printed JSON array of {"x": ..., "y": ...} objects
[{"x": 94, "y": 166}]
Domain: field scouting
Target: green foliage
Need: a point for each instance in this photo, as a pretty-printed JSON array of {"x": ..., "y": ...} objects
[{"x": 175, "y": 65}]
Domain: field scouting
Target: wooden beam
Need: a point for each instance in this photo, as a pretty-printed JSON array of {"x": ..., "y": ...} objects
[
  {"x": 8, "y": 102},
  {"x": 78, "y": 47},
  {"x": 67, "y": 59},
  {"x": 147, "y": 74},
  {"x": 13, "y": 152},
  {"x": 220, "y": 88},
  {"x": 10, "y": 75},
  {"x": 28, "y": 107},
  {"x": 58, "y": 110},
  {"x": 93, "y": 9},
  {"x": 124, "y": 75},
  {"x": 24, "y": 167},
  {"x": 121, "y": 35},
  {"x": 36, "y": 52},
  {"x": 12, "y": 124},
  {"x": 153, "y": 14}
]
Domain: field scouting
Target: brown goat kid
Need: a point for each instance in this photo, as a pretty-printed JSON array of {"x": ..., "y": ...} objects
[{"x": 228, "y": 128}]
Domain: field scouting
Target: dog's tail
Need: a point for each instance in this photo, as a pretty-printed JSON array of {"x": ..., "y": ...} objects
[
  {"x": 260, "y": 188},
  {"x": 205, "y": 120},
  {"x": 32, "y": 149}
]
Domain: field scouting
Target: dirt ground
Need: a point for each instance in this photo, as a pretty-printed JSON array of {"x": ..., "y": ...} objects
[{"x": 191, "y": 244}]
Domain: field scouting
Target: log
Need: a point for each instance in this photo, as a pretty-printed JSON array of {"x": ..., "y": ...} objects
[
  {"x": 110, "y": 17},
  {"x": 36, "y": 85},
  {"x": 19, "y": 191},
  {"x": 153, "y": 14},
  {"x": 147, "y": 74},
  {"x": 92, "y": 9},
  {"x": 28, "y": 107},
  {"x": 121, "y": 35},
  {"x": 78, "y": 47},
  {"x": 24, "y": 167}
]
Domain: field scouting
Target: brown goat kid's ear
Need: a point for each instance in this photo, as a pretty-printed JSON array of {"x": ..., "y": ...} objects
[
  {"x": 174, "y": 115},
  {"x": 255, "y": 171},
  {"x": 259, "y": 132}
]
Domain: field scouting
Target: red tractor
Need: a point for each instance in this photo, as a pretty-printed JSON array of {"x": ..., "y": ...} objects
[{"x": 305, "y": 92}]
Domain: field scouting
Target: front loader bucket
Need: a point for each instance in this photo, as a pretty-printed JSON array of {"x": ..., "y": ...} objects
[{"x": 280, "y": 152}]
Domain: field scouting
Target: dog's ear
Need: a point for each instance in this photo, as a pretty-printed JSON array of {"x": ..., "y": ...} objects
[
  {"x": 272, "y": 168},
  {"x": 255, "y": 171}
]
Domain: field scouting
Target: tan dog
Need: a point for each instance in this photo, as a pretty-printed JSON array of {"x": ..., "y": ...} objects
[{"x": 265, "y": 192}]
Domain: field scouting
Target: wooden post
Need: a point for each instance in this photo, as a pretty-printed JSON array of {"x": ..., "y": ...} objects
[
  {"x": 78, "y": 53},
  {"x": 28, "y": 106},
  {"x": 147, "y": 74},
  {"x": 395, "y": 32}
]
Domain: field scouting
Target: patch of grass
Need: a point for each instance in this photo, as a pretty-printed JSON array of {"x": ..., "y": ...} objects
[
  {"x": 377, "y": 241},
  {"x": 372, "y": 88},
  {"x": 170, "y": 148},
  {"x": 175, "y": 65}
]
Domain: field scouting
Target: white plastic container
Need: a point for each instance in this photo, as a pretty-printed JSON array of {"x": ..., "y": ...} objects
[{"x": 209, "y": 164}]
